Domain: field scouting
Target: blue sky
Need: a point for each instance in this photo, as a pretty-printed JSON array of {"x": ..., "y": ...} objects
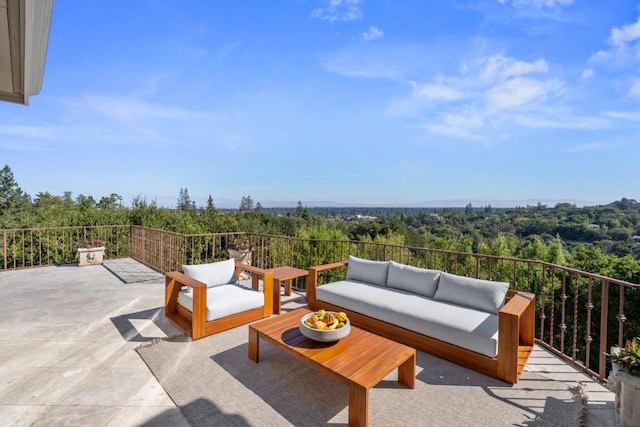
[{"x": 351, "y": 101}]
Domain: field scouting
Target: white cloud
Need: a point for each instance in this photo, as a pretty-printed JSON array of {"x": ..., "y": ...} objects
[
  {"x": 623, "y": 55},
  {"x": 587, "y": 73},
  {"x": 634, "y": 90},
  {"x": 631, "y": 116},
  {"x": 30, "y": 131},
  {"x": 130, "y": 109},
  {"x": 424, "y": 96},
  {"x": 489, "y": 96},
  {"x": 534, "y": 9},
  {"x": 518, "y": 92},
  {"x": 626, "y": 34},
  {"x": 537, "y": 3},
  {"x": 339, "y": 10},
  {"x": 625, "y": 47},
  {"x": 113, "y": 120},
  {"x": 590, "y": 146},
  {"x": 437, "y": 91},
  {"x": 364, "y": 63},
  {"x": 505, "y": 67},
  {"x": 483, "y": 97},
  {"x": 372, "y": 33}
]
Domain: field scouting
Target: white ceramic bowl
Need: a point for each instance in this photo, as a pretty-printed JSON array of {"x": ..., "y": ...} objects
[{"x": 323, "y": 335}]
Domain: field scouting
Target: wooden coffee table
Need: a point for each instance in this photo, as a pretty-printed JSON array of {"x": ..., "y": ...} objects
[{"x": 361, "y": 360}]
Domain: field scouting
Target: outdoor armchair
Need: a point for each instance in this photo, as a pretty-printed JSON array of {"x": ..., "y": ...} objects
[{"x": 205, "y": 299}]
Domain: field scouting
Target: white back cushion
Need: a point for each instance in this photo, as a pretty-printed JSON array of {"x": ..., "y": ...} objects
[
  {"x": 420, "y": 281},
  {"x": 364, "y": 270},
  {"x": 485, "y": 295},
  {"x": 214, "y": 273}
]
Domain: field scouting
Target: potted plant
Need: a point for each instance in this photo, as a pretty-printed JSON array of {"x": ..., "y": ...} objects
[
  {"x": 91, "y": 252},
  {"x": 613, "y": 355},
  {"x": 625, "y": 382},
  {"x": 241, "y": 250}
]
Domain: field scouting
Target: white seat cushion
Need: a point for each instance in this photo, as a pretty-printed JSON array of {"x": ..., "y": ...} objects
[
  {"x": 461, "y": 326},
  {"x": 225, "y": 300}
]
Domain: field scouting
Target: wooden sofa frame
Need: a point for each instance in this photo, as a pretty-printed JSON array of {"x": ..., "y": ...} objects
[
  {"x": 195, "y": 324},
  {"x": 516, "y": 324}
]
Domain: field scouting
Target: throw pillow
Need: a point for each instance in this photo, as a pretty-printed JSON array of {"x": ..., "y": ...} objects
[
  {"x": 484, "y": 295},
  {"x": 420, "y": 281},
  {"x": 214, "y": 273},
  {"x": 364, "y": 270}
]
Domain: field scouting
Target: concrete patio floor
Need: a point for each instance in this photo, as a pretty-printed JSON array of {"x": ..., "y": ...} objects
[{"x": 67, "y": 340}]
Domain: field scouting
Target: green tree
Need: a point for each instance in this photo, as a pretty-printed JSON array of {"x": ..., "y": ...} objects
[
  {"x": 14, "y": 203},
  {"x": 536, "y": 249},
  {"x": 184, "y": 201},
  {"x": 556, "y": 252},
  {"x": 246, "y": 204},
  {"x": 210, "y": 205},
  {"x": 468, "y": 210},
  {"x": 112, "y": 202}
]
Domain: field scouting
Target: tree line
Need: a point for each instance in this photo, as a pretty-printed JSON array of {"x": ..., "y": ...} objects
[{"x": 599, "y": 239}]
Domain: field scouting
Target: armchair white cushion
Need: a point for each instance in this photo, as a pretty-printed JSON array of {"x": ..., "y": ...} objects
[
  {"x": 225, "y": 300},
  {"x": 214, "y": 273}
]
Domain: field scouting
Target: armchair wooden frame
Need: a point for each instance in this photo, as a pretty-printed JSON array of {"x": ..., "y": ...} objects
[
  {"x": 195, "y": 323},
  {"x": 516, "y": 324}
]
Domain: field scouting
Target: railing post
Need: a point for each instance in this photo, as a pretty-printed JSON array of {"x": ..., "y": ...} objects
[
  {"x": 588, "y": 338},
  {"x": 604, "y": 314},
  {"x": 543, "y": 297},
  {"x": 621, "y": 317}
]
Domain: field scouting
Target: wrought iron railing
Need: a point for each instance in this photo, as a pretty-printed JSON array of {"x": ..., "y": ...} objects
[
  {"x": 579, "y": 314},
  {"x": 36, "y": 247}
]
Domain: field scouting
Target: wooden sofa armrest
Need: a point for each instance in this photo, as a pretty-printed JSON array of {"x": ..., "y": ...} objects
[
  {"x": 312, "y": 279},
  {"x": 329, "y": 266},
  {"x": 516, "y": 325}
]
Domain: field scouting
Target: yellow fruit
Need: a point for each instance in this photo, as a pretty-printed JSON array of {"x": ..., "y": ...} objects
[
  {"x": 320, "y": 325},
  {"x": 334, "y": 323},
  {"x": 314, "y": 318},
  {"x": 321, "y": 314},
  {"x": 328, "y": 318},
  {"x": 342, "y": 316}
]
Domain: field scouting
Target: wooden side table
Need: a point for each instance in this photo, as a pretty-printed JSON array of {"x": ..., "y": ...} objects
[{"x": 284, "y": 276}]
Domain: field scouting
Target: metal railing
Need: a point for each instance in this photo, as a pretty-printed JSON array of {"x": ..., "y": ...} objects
[
  {"x": 36, "y": 247},
  {"x": 579, "y": 314}
]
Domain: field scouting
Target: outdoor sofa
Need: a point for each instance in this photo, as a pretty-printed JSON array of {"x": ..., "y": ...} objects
[
  {"x": 475, "y": 323},
  {"x": 204, "y": 299}
]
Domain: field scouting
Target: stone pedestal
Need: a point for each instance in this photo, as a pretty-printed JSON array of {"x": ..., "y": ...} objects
[
  {"x": 244, "y": 256},
  {"x": 90, "y": 256},
  {"x": 627, "y": 390}
]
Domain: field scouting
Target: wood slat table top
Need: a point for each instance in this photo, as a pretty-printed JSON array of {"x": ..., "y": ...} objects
[
  {"x": 361, "y": 357},
  {"x": 286, "y": 273}
]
